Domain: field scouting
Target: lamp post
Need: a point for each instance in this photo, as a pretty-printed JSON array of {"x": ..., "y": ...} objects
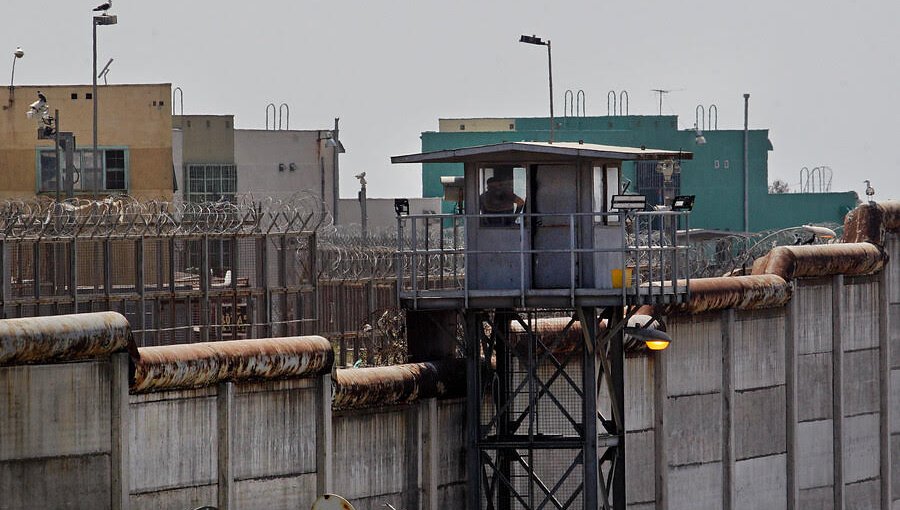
[
  {"x": 16, "y": 56},
  {"x": 102, "y": 19},
  {"x": 532, "y": 39},
  {"x": 337, "y": 148},
  {"x": 746, "y": 164},
  {"x": 363, "y": 214}
]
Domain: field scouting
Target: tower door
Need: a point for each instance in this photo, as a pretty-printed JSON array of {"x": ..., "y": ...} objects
[{"x": 555, "y": 195}]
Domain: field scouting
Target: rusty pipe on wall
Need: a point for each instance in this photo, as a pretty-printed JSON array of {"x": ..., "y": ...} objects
[
  {"x": 789, "y": 262},
  {"x": 869, "y": 222},
  {"x": 204, "y": 364},
  {"x": 741, "y": 292},
  {"x": 356, "y": 388},
  {"x": 63, "y": 338}
]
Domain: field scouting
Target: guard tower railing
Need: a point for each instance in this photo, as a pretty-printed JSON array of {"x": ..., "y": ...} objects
[{"x": 643, "y": 263}]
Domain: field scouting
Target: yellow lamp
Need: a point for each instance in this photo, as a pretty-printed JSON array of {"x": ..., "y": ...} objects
[{"x": 654, "y": 339}]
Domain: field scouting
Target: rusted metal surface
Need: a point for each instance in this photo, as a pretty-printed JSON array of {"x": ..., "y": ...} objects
[
  {"x": 63, "y": 338},
  {"x": 791, "y": 262},
  {"x": 356, "y": 388},
  {"x": 203, "y": 364},
  {"x": 741, "y": 292},
  {"x": 869, "y": 222}
]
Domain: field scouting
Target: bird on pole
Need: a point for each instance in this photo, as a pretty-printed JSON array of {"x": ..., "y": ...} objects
[
  {"x": 104, "y": 7},
  {"x": 870, "y": 191}
]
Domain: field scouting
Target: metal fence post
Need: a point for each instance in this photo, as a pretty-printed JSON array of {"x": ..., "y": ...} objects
[{"x": 204, "y": 288}]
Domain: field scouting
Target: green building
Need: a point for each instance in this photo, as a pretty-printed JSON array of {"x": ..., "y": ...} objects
[{"x": 714, "y": 175}]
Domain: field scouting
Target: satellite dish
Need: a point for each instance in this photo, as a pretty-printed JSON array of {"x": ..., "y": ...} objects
[{"x": 331, "y": 502}]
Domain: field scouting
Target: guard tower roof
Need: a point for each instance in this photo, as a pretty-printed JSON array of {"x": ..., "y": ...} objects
[{"x": 540, "y": 151}]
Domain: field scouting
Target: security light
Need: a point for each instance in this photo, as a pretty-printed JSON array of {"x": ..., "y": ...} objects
[
  {"x": 820, "y": 232},
  {"x": 655, "y": 339},
  {"x": 628, "y": 202},
  {"x": 699, "y": 139},
  {"x": 401, "y": 206},
  {"x": 683, "y": 203}
]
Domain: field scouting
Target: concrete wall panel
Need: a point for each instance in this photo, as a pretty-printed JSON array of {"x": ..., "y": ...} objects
[
  {"x": 697, "y": 487},
  {"x": 69, "y": 482},
  {"x": 285, "y": 493},
  {"x": 760, "y": 483},
  {"x": 861, "y": 382},
  {"x": 863, "y": 495},
  {"x": 758, "y": 422},
  {"x": 895, "y": 467},
  {"x": 758, "y": 349},
  {"x": 274, "y": 433},
  {"x": 696, "y": 357},
  {"x": 369, "y": 453},
  {"x": 185, "y": 498},
  {"x": 173, "y": 443},
  {"x": 452, "y": 441},
  {"x": 452, "y": 496},
  {"x": 814, "y": 317},
  {"x": 54, "y": 410},
  {"x": 639, "y": 391},
  {"x": 694, "y": 429},
  {"x": 894, "y": 311},
  {"x": 861, "y": 448},
  {"x": 640, "y": 470},
  {"x": 895, "y": 401},
  {"x": 820, "y": 498},
  {"x": 814, "y": 386},
  {"x": 815, "y": 454},
  {"x": 860, "y": 321}
]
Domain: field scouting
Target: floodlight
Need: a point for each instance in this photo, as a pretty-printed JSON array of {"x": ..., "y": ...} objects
[
  {"x": 683, "y": 203},
  {"x": 401, "y": 206},
  {"x": 655, "y": 339},
  {"x": 628, "y": 202}
]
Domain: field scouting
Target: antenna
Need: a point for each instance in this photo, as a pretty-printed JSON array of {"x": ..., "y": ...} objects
[
  {"x": 105, "y": 71},
  {"x": 662, "y": 92}
]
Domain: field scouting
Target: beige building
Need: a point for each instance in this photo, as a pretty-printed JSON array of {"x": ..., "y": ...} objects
[{"x": 134, "y": 141}]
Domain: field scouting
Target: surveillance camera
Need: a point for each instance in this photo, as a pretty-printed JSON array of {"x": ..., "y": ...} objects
[
  {"x": 19, "y": 53},
  {"x": 360, "y": 176}
]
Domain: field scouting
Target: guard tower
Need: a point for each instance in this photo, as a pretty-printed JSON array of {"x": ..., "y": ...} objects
[{"x": 538, "y": 240}]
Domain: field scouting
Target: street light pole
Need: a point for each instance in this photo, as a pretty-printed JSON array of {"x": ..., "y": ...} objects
[
  {"x": 532, "y": 39},
  {"x": 746, "y": 164},
  {"x": 103, "y": 19},
  {"x": 12, "y": 79}
]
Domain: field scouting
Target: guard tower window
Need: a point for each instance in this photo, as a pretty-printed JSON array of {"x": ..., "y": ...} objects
[{"x": 502, "y": 190}]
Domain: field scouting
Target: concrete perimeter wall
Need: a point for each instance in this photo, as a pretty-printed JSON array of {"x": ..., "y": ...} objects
[{"x": 789, "y": 407}]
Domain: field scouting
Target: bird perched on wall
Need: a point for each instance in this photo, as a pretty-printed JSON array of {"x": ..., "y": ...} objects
[
  {"x": 870, "y": 191},
  {"x": 105, "y": 6}
]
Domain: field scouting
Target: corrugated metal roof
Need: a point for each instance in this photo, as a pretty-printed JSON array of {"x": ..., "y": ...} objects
[{"x": 543, "y": 151}]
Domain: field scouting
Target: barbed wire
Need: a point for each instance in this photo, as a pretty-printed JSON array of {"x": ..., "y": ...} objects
[
  {"x": 734, "y": 254},
  {"x": 120, "y": 216}
]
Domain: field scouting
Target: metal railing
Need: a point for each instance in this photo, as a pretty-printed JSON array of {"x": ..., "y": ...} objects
[{"x": 644, "y": 260}]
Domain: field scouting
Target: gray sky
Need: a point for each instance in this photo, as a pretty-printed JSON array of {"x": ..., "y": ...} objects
[{"x": 822, "y": 76}]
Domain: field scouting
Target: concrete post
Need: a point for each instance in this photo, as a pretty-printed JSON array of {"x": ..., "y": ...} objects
[
  {"x": 661, "y": 460},
  {"x": 727, "y": 321},
  {"x": 414, "y": 453},
  {"x": 119, "y": 452},
  {"x": 225, "y": 414},
  {"x": 430, "y": 453},
  {"x": 884, "y": 368},
  {"x": 837, "y": 402},
  {"x": 790, "y": 399},
  {"x": 324, "y": 436}
]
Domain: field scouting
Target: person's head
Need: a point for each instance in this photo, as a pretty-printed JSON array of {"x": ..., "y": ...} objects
[{"x": 498, "y": 184}]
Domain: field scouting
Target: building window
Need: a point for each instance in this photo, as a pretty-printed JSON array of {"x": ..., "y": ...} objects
[
  {"x": 501, "y": 190},
  {"x": 111, "y": 176},
  {"x": 210, "y": 183}
]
